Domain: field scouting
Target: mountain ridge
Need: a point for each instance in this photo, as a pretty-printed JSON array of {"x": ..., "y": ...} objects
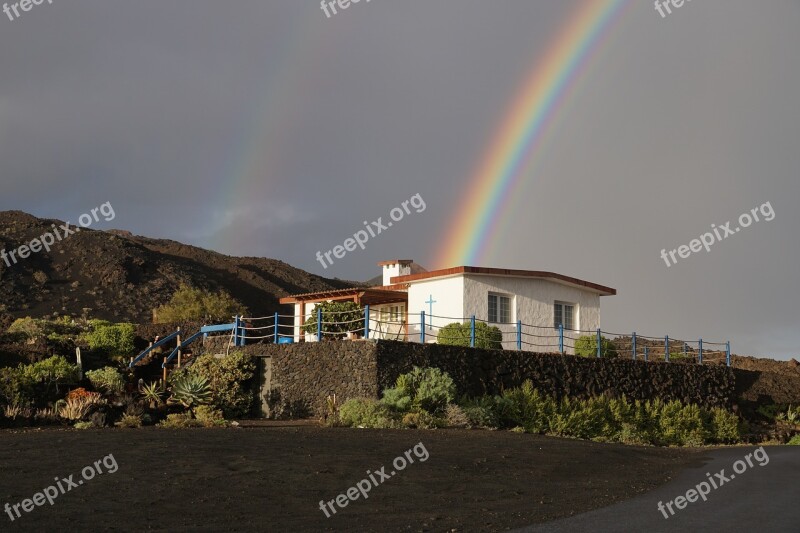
[{"x": 116, "y": 275}]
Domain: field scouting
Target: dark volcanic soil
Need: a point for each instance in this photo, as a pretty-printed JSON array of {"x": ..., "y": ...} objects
[{"x": 272, "y": 479}]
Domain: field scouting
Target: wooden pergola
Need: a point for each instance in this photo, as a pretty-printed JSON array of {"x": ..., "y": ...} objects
[{"x": 361, "y": 296}]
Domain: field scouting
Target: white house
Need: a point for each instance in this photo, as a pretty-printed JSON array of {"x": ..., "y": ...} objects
[{"x": 535, "y": 302}]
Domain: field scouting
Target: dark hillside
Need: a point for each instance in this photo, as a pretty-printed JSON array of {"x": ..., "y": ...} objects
[{"x": 118, "y": 276}]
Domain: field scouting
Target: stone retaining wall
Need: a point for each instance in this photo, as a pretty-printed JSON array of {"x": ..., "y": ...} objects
[
  {"x": 305, "y": 374},
  {"x": 479, "y": 372}
]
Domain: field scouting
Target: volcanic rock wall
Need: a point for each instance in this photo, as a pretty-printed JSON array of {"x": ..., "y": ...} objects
[{"x": 307, "y": 373}]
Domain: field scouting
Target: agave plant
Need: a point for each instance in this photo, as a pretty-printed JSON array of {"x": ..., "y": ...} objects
[
  {"x": 80, "y": 407},
  {"x": 191, "y": 390},
  {"x": 152, "y": 394}
]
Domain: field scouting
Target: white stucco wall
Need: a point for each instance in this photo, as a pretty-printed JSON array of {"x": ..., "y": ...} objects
[
  {"x": 532, "y": 303},
  {"x": 460, "y": 296},
  {"x": 298, "y": 321},
  {"x": 448, "y": 293}
]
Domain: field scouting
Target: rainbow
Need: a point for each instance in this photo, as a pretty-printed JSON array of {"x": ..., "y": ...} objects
[{"x": 521, "y": 137}]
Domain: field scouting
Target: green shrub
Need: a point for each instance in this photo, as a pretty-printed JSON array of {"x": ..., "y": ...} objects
[
  {"x": 682, "y": 425},
  {"x": 191, "y": 304},
  {"x": 725, "y": 426},
  {"x": 397, "y": 399},
  {"x": 586, "y": 346},
  {"x": 526, "y": 407},
  {"x": 180, "y": 421},
  {"x": 58, "y": 330},
  {"x": 580, "y": 419},
  {"x": 27, "y": 327},
  {"x": 486, "y": 336},
  {"x": 130, "y": 421},
  {"x": 83, "y": 425},
  {"x": 230, "y": 379},
  {"x": 481, "y": 412},
  {"x": 49, "y": 376},
  {"x": 367, "y": 413},
  {"x": 112, "y": 339},
  {"x": 422, "y": 389},
  {"x": 337, "y": 318},
  {"x": 15, "y": 387},
  {"x": 455, "y": 416},
  {"x": 680, "y": 356},
  {"x": 794, "y": 441},
  {"x": 209, "y": 416},
  {"x": 423, "y": 420},
  {"x": 602, "y": 418},
  {"x": 107, "y": 380}
]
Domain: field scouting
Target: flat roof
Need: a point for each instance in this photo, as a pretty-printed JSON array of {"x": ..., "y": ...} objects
[
  {"x": 601, "y": 289},
  {"x": 395, "y": 261}
]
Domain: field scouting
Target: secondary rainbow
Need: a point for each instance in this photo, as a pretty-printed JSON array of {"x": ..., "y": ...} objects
[{"x": 519, "y": 139}]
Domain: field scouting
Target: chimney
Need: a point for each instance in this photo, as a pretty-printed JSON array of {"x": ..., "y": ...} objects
[{"x": 395, "y": 267}]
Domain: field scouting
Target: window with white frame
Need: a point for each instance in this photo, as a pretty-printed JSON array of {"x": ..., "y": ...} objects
[
  {"x": 499, "y": 309},
  {"x": 564, "y": 314},
  {"x": 392, "y": 313}
]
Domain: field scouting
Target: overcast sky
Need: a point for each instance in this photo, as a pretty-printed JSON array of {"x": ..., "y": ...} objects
[{"x": 264, "y": 128}]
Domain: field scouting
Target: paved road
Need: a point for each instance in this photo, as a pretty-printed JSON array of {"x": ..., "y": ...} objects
[{"x": 762, "y": 498}]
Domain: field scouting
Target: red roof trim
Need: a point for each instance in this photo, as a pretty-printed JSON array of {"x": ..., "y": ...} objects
[{"x": 602, "y": 289}]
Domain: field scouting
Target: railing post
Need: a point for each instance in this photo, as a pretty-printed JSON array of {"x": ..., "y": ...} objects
[
  {"x": 700, "y": 352},
  {"x": 366, "y": 321},
  {"x": 519, "y": 335},
  {"x": 422, "y": 328},
  {"x": 599, "y": 344},
  {"x": 276, "y": 327},
  {"x": 666, "y": 348},
  {"x": 633, "y": 347},
  {"x": 179, "y": 347},
  {"x": 236, "y": 332},
  {"x": 472, "y": 332},
  {"x": 645, "y": 353},
  {"x": 561, "y": 338},
  {"x": 728, "y": 353},
  {"x": 319, "y": 324}
]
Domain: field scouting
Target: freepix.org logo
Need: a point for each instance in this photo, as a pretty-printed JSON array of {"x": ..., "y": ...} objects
[
  {"x": 58, "y": 233},
  {"x": 721, "y": 232},
  {"x": 24, "y": 5},
  {"x": 375, "y": 228}
]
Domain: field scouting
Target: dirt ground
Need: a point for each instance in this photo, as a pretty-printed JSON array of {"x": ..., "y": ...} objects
[{"x": 272, "y": 478}]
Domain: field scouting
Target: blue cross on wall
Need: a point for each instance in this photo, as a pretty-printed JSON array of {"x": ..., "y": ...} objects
[{"x": 430, "y": 302}]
